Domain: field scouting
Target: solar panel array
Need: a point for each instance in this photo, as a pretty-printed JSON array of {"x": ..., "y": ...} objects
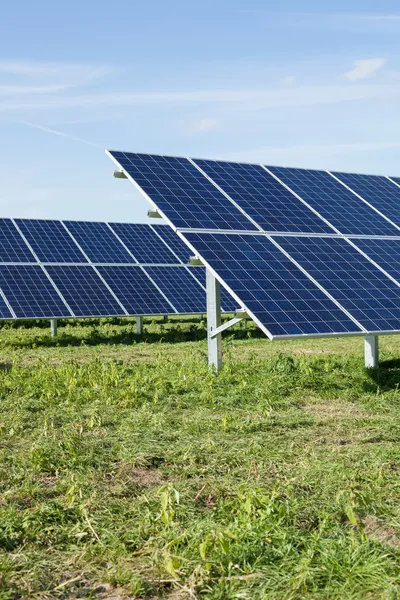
[
  {"x": 52, "y": 269},
  {"x": 306, "y": 252}
]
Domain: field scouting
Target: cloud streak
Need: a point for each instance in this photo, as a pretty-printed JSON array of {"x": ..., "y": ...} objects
[
  {"x": 365, "y": 69},
  {"x": 60, "y": 133}
]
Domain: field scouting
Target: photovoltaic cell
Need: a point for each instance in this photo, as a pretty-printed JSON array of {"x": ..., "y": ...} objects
[
  {"x": 262, "y": 197},
  {"x": 182, "y": 193},
  {"x": 50, "y": 241},
  {"x": 280, "y": 296},
  {"x": 144, "y": 243},
  {"x": 369, "y": 296},
  {"x": 84, "y": 291},
  {"x": 135, "y": 290},
  {"x": 174, "y": 242},
  {"x": 378, "y": 191},
  {"x": 98, "y": 242},
  {"x": 179, "y": 286},
  {"x": 30, "y": 293},
  {"x": 13, "y": 248},
  {"x": 334, "y": 202},
  {"x": 386, "y": 253},
  {"x": 5, "y": 312}
]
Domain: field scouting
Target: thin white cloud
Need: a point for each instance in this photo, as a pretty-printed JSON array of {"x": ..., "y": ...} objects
[
  {"x": 288, "y": 80},
  {"x": 48, "y": 70},
  {"x": 201, "y": 126},
  {"x": 387, "y": 17},
  {"x": 365, "y": 69},
  {"x": 60, "y": 133}
]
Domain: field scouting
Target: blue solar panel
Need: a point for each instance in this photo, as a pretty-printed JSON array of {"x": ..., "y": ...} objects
[
  {"x": 135, "y": 290},
  {"x": 280, "y": 296},
  {"x": 371, "y": 297},
  {"x": 334, "y": 202},
  {"x": 84, "y": 291},
  {"x": 144, "y": 244},
  {"x": 182, "y": 193},
  {"x": 30, "y": 293},
  {"x": 50, "y": 241},
  {"x": 13, "y": 248},
  {"x": 180, "y": 287},
  {"x": 386, "y": 253},
  {"x": 5, "y": 312},
  {"x": 378, "y": 191},
  {"x": 266, "y": 200},
  {"x": 228, "y": 303},
  {"x": 98, "y": 242},
  {"x": 174, "y": 242}
]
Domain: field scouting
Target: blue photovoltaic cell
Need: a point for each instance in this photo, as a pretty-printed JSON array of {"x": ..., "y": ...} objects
[
  {"x": 369, "y": 296},
  {"x": 182, "y": 193},
  {"x": 228, "y": 303},
  {"x": 180, "y": 287},
  {"x": 144, "y": 244},
  {"x": 262, "y": 197},
  {"x": 278, "y": 294},
  {"x": 50, "y": 241},
  {"x": 135, "y": 290},
  {"x": 4, "y": 310},
  {"x": 386, "y": 253},
  {"x": 30, "y": 293},
  {"x": 334, "y": 202},
  {"x": 174, "y": 242},
  {"x": 13, "y": 248},
  {"x": 378, "y": 191},
  {"x": 98, "y": 242},
  {"x": 84, "y": 291}
]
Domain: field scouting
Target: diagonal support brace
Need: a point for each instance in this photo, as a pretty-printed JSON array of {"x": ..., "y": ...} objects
[{"x": 226, "y": 325}]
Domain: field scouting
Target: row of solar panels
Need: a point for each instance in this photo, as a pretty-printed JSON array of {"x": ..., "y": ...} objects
[
  {"x": 205, "y": 194},
  {"x": 51, "y": 269},
  {"x": 319, "y": 283}
]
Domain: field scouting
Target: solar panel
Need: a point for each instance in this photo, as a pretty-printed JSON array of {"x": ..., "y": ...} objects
[
  {"x": 144, "y": 243},
  {"x": 98, "y": 242},
  {"x": 174, "y": 242},
  {"x": 228, "y": 303},
  {"x": 13, "y": 248},
  {"x": 50, "y": 241},
  {"x": 176, "y": 283},
  {"x": 135, "y": 290},
  {"x": 371, "y": 297},
  {"x": 182, "y": 193},
  {"x": 267, "y": 201},
  {"x": 334, "y": 202},
  {"x": 30, "y": 293},
  {"x": 378, "y": 191},
  {"x": 5, "y": 312},
  {"x": 281, "y": 298},
  {"x": 84, "y": 291}
]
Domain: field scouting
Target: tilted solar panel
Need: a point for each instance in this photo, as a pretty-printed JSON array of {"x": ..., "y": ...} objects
[
  {"x": 178, "y": 247},
  {"x": 343, "y": 209},
  {"x": 228, "y": 303},
  {"x": 191, "y": 297},
  {"x": 144, "y": 243},
  {"x": 281, "y": 298},
  {"x": 98, "y": 242},
  {"x": 182, "y": 193},
  {"x": 263, "y": 198},
  {"x": 50, "y": 241},
  {"x": 135, "y": 291},
  {"x": 5, "y": 312},
  {"x": 84, "y": 291},
  {"x": 13, "y": 248},
  {"x": 386, "y": 253},
  {"x": 369, "y": 296},
  {"x": 30, "y": 293},
  {"x": 383, "y": 194}
]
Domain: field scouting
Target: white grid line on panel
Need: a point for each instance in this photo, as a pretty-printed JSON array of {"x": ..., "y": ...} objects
[
  {"x": 154, "y": 228},
  {"x": 392, "y": 181},
  {"x": 371, "y": 260},
  {"x": 122, "y": 243},
  {"x": 158, "y": 288}
]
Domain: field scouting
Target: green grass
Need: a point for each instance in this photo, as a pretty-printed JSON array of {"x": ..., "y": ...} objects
[{"x": 128, "y": 470}]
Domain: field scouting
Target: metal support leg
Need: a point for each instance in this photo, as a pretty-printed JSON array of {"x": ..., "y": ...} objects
[
  {"x": 213, "y": 322},
  {"x": 165, "y": 318},
  {"x": 139, "y": 325},
  {"x": 371, "y": 351},
  {"x": 53, "y": 327}
]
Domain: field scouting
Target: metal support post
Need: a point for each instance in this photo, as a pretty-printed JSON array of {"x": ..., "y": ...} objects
[
  {"x": 371, "y": 351},
  {"x": 165, "y": 318},
  {"x": 139, "y": 325},
  {"x": 53, "y": 327},
  {"x": 213, "y": 322}
]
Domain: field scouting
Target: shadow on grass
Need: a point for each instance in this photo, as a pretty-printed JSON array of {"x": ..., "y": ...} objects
[
  {"x": 387, "y": 375},
  {"x": 96, "y": 337}
]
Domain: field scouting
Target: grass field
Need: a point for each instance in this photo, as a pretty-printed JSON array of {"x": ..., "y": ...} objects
[{"x": 128, "y": 470}]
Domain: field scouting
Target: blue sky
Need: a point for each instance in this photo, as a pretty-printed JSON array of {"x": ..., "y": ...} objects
[{"x": 287, "y": 83}]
